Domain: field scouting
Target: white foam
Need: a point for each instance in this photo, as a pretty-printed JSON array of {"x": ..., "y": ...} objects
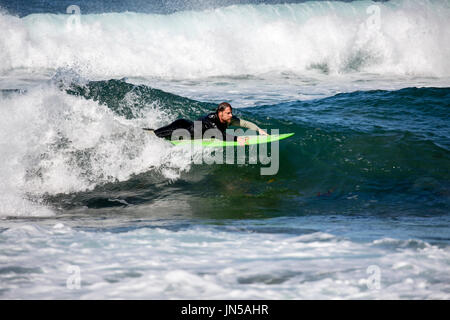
[
  {"x": 52, "y": 142},
  {"x": 204, "y": 263},
  {"x": 408, "y": 38}
]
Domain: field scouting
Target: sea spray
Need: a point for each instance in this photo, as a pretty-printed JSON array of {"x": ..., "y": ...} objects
[{"x": 397, "y": 37}]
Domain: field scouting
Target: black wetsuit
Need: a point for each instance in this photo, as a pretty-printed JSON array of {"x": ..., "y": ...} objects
[{"x": 210, "y": 121}]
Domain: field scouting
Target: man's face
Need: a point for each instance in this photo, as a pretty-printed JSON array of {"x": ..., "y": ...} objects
[{"x": 226, "y": 115}]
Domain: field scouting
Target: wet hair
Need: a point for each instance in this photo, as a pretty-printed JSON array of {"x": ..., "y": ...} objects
[{"x": 221, "y": 107}]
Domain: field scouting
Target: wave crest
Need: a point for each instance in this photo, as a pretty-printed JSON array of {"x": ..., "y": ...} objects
[{"x": 397, "y": 37}]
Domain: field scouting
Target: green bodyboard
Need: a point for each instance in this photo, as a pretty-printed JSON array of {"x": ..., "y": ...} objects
[{"x": 219, "y": 143}]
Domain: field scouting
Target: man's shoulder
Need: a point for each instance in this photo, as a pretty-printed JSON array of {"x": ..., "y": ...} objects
[
  {"x": 235, "y": 121},
  {"x": 209, "y": 116},
  {"x": 209, "y": 121}
]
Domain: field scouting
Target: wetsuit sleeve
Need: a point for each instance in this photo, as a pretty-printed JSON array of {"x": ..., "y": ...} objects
[{"x": 235, "y": 121}]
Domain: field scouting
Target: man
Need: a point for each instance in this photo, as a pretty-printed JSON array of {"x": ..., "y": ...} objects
[{"x": 219, "y": 120}]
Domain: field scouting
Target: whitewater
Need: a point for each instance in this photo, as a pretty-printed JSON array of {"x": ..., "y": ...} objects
[
  {"x": 394, "y": 38},
  {"x": 93, "y": 207}
]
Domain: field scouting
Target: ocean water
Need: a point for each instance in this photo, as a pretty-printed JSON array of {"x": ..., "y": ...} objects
[{"x": 93, "y": 207}]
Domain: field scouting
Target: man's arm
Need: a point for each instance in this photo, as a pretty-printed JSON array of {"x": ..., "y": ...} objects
[{"x": 235, "y": 121}]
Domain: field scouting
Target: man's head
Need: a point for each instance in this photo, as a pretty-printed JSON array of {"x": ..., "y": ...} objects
[{"x": 224, "y": 112}]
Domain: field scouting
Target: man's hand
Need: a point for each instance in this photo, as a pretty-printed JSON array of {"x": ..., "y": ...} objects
[
  {"x": 262, "y": 132},
  {"x": 242, "y": 141}
]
